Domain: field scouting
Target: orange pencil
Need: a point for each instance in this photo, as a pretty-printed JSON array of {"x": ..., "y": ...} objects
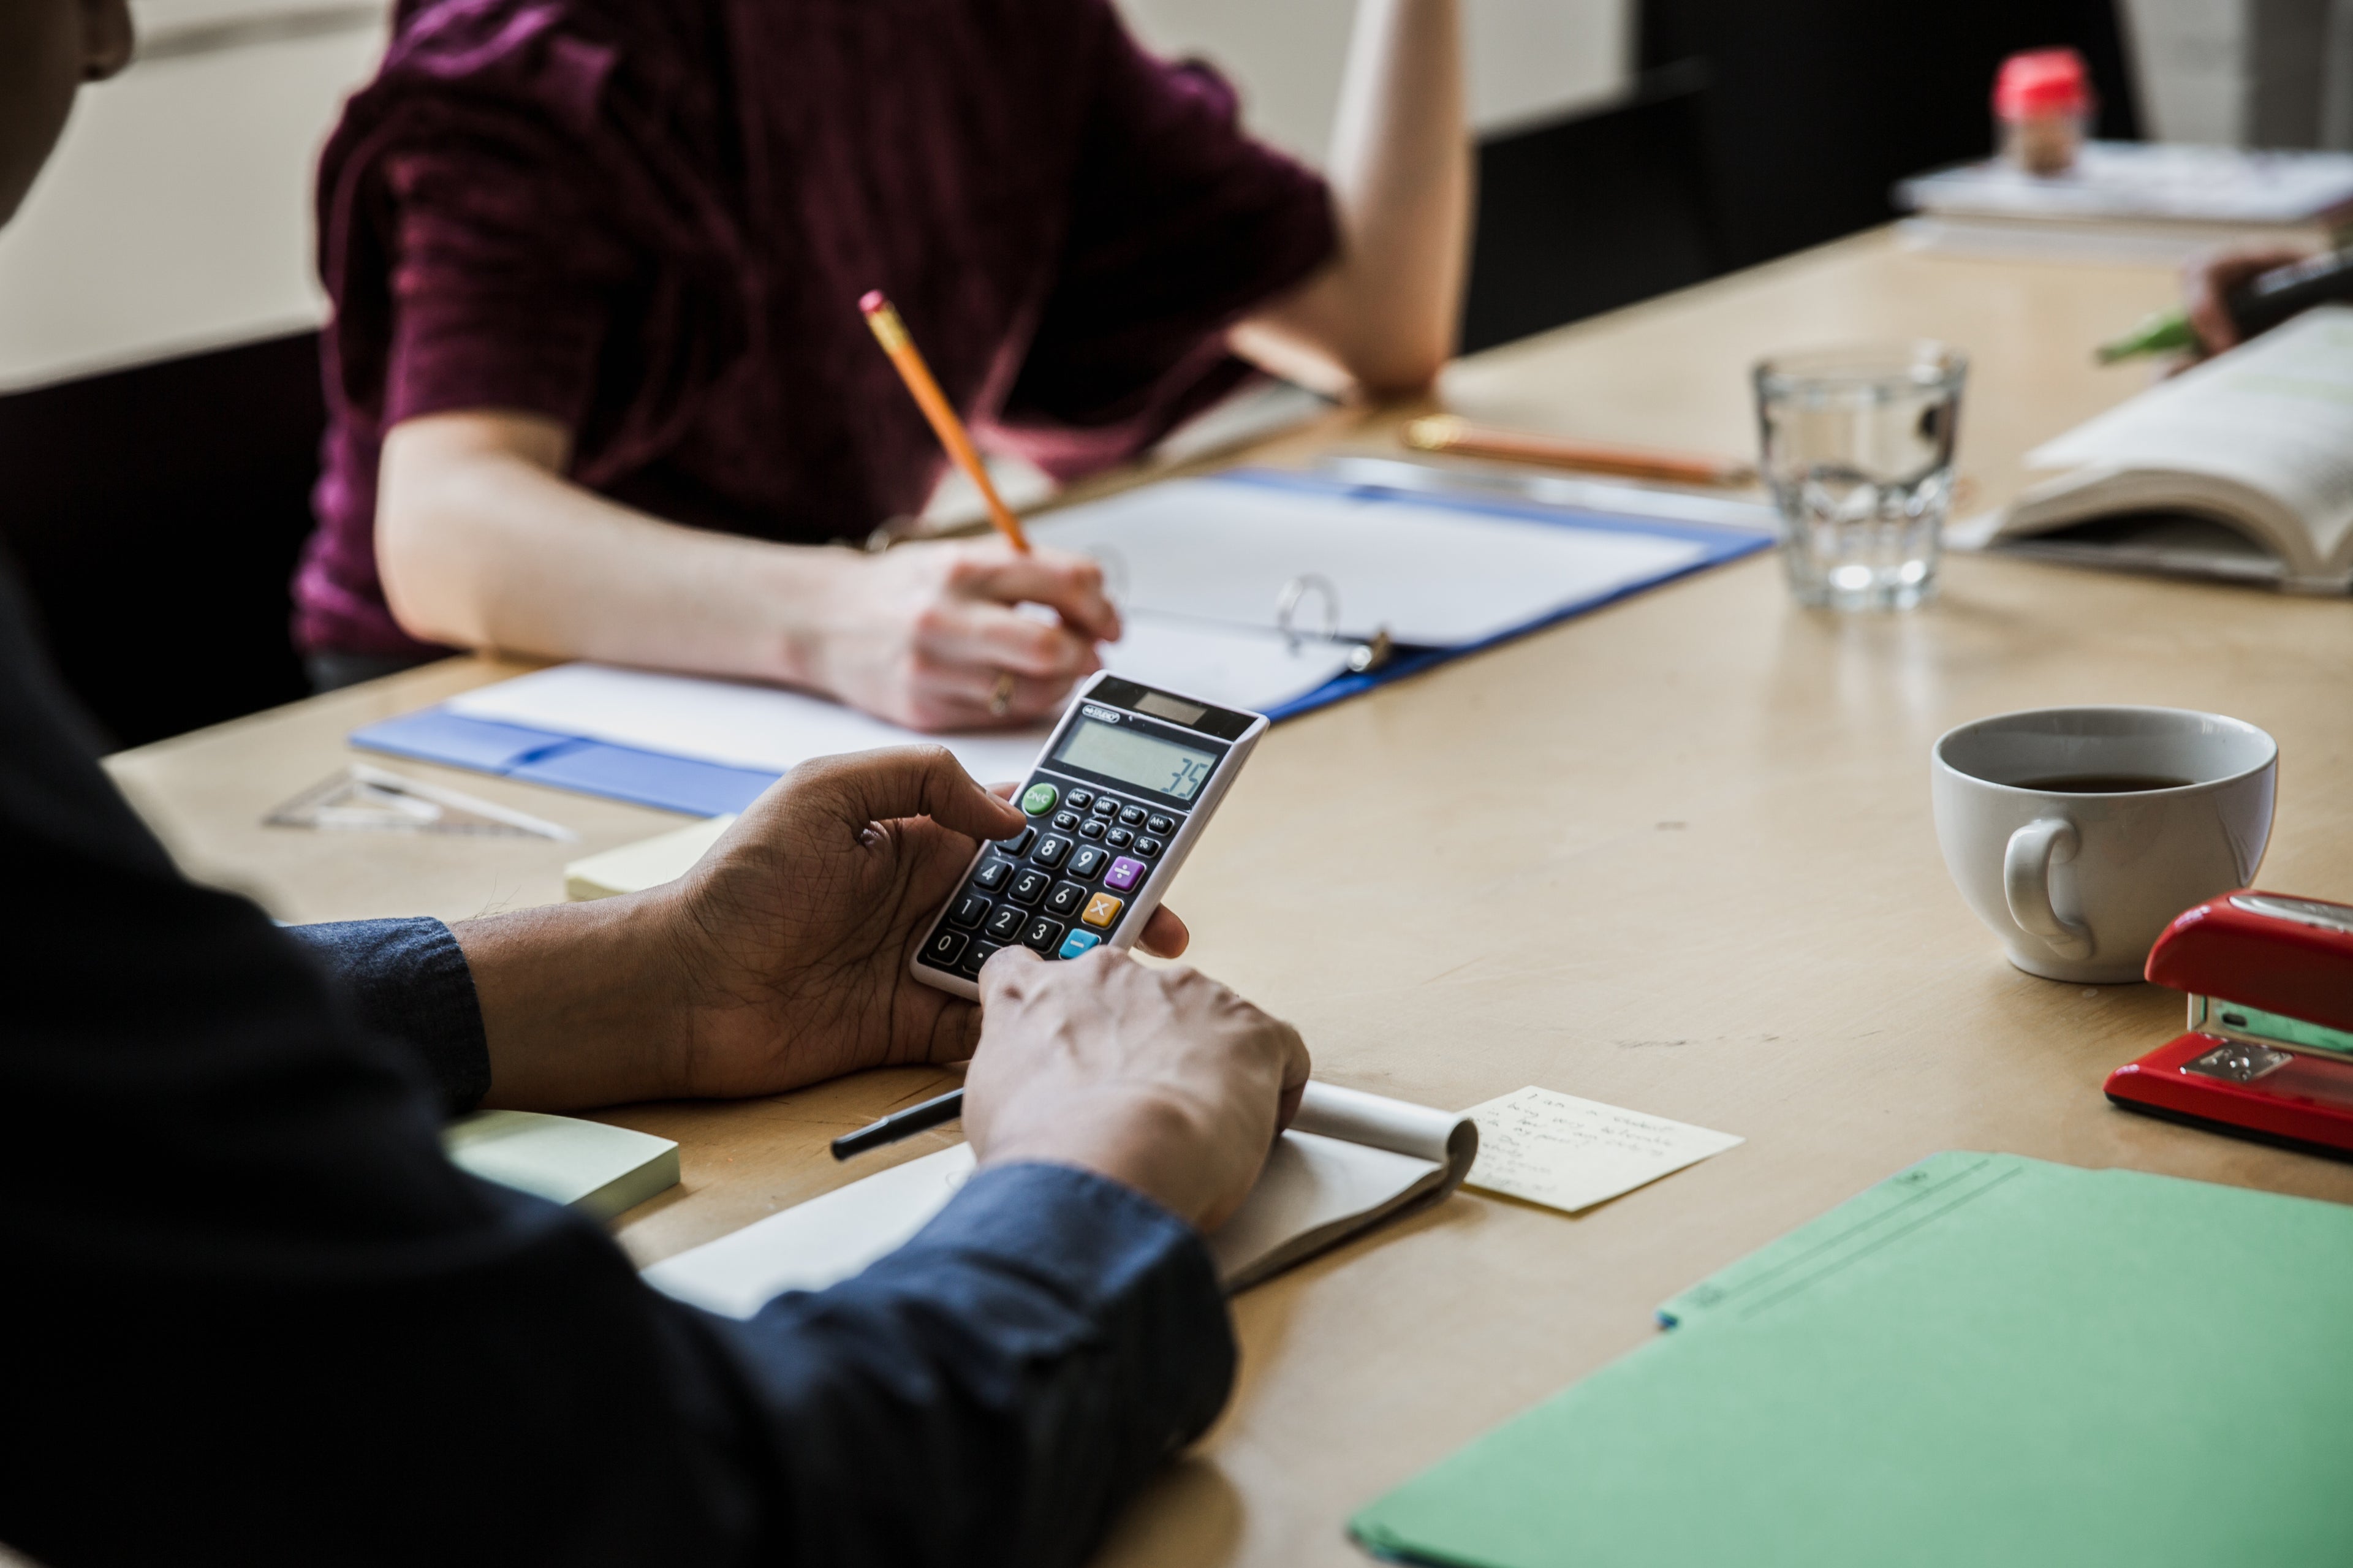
[
  {"x": 891, "y": 333},
  {"x": 1447, "y": 432}
]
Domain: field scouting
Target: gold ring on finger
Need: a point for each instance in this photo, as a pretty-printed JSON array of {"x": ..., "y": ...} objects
[{"x": 1000, "y": 696}]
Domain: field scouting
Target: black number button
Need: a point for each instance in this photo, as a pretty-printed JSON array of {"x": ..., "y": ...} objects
[
  {"x": 1028, "y": 887},
  {"x": 1017, "y": 843},
  {"x": 1065, "y": 899},
  {"x": 976, "y": 955},
  {"x": 947, "y": 946},
  {"x": 1051, "y": 850},
  {"x": 991, "y": 875},
  {"x": 1088, "y": 861},
  {"x": 1090, "y": 829},
  {"x": 970, "y": 910},
  {"x": 1147, "y": 848},
  {"x": 1132, "y": 817},
  {"x": 1161, "y": 824},
  {"x": 1119, "y": 838},
  {"x": 1041, "y": 934},
  {"x": 1067, "y": 821},
  {"x": 1005, "y": 924},
  {"x": 1078, "y": 799},
  {"x": 1106, "y": 807}
]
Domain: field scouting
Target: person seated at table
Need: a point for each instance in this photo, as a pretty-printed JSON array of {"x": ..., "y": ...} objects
[
  {"x": 254, "y": 1316},
  {"x": 598, "y": 384}
]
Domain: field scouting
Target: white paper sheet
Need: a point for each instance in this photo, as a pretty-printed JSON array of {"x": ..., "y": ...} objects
[
  {"x": 764, "y": 727},
  {"x": 728, "y": 721},
  {"x": 1316, "y": 1188},
  {"x": 1233, "y": 667},
  {"x": 1224, "y": 549},
  {"x": 1570, "y": 1153}
]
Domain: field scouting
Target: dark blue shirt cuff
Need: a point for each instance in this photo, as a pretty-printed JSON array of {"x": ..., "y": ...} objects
[
  {"x": 994, "y": 1389},
  {"x": 408, "y": 981}
]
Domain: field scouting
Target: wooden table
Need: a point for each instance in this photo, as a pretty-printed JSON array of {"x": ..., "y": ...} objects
[{"x": 1675, "y": 856}]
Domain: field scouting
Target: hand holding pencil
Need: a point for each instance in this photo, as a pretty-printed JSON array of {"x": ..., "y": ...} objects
[{"x": 933, "y": 633}]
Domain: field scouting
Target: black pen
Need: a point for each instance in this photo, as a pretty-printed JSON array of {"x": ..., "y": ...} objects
[{"x": 901, "y": 1124}]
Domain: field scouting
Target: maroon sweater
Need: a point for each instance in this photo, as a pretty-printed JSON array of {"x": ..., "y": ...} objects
[{"x": 652, "y": 220}]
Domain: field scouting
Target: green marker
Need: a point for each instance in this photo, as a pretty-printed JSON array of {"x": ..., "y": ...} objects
[
  {"x": 2164, "y": 332},
  {"x": 2257, "y": 305}
]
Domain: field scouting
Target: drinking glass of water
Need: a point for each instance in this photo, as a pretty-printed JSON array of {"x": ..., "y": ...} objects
[{"x": 1858, "y": 446}]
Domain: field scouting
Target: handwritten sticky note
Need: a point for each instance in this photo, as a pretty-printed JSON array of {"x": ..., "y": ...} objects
[{"x": 1570, "y": 1153}]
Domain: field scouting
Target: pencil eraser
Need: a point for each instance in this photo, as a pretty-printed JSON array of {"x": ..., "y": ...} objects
[{"x": 871, "y": 301}]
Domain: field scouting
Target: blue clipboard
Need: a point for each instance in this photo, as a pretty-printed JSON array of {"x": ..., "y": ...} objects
[
  {"x": 1718, "y": 543},
  {"x": 699, "y": 788}
]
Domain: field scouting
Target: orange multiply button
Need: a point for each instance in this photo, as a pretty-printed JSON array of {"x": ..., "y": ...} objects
[{"x": 1101, "y": 909}]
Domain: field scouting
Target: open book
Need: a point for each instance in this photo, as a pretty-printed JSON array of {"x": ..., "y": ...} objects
[
  {"x": 2239, "y": 467},
  {"x": 1349, "y": 1162}
]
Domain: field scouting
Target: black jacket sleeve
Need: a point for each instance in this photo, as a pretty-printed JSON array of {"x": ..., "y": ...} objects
[{"x": 251, "y": 1315}]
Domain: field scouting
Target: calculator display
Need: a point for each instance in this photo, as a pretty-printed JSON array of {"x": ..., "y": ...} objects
[{"x": 1133, "y": 757}]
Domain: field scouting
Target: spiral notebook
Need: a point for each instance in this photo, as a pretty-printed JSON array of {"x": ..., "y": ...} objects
[
  {"x": 1349, "y": 1162},
  {"x": 1276, "y": 593}
]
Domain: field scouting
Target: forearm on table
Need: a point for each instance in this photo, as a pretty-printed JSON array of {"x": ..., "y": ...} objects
[
  {"x": 1386, "y": 309},
  {"x": 581, "y": 1004},
  {"x": 484, "y": 543}
]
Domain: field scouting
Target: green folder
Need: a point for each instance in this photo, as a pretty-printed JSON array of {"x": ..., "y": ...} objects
[{"x": 1984, "y": 1359}]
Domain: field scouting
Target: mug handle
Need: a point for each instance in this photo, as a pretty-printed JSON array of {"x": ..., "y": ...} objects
[{"x": 2026, "y": 883}]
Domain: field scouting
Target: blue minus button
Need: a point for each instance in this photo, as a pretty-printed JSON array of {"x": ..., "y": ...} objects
[{"x": 1077, "y": 943}]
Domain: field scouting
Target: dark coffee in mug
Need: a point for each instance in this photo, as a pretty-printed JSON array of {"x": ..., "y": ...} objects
[{"x": 2101, "y": 784}]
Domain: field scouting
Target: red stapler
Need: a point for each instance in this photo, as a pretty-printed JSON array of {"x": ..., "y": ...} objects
[{"x": 2270, "y": 1049}]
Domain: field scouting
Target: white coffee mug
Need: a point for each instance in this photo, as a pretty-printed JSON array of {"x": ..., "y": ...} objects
[{"x": 2077, "y": 833}]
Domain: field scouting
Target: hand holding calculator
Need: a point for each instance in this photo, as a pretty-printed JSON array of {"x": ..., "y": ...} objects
[{"x": 1115, "y": 803}]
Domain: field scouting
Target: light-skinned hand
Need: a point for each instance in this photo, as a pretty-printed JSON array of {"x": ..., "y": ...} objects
[
  {"x": 920, "y": 633},
  {"x": 1160, "y": 1078},
  {"x": 780, "y": 960}
]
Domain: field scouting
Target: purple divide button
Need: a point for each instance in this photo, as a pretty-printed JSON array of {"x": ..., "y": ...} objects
[{"x": 1123, "y": 874}]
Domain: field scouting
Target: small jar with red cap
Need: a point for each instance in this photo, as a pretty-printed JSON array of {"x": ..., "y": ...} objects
[{"x": 2042, "y": 109}]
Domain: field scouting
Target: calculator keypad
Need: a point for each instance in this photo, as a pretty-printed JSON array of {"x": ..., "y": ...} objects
[{"x": 1060, "y": 893}]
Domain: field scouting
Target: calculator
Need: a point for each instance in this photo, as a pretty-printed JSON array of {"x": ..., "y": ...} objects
[{"x": 1115, "y": 803}]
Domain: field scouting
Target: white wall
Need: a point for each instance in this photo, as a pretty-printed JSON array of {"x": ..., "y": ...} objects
[
  {"x": 2189, "y": 54},
  {"x": 176, "y": 213},
  {"x": 2263, "y": 73},
  {"x": 1528, "y": 59}
]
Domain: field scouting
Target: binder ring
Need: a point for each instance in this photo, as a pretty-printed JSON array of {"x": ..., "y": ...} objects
[
  {"x": 1286, "y": 605},
  {"x": 1115, "y": 573}
]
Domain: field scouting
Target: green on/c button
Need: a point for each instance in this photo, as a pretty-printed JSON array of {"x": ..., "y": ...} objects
[{"x": 1040, "y": 798}]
